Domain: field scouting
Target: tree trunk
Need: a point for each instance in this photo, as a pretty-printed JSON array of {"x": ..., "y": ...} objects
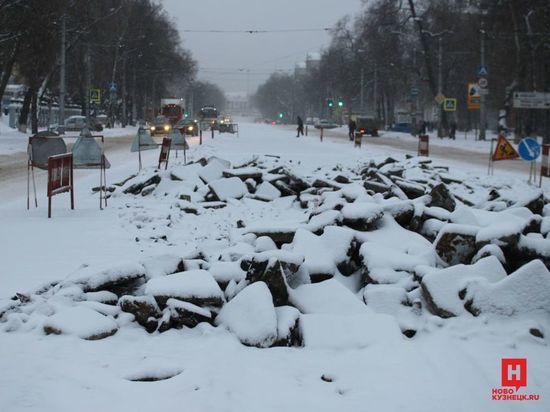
[
  {"x": 34, "y": 112},
  {"x": 24, "y": 114},
  {"x": 7, "y": 70}
]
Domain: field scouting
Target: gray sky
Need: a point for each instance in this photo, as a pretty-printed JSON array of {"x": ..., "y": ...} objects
[{"x": 239, "y": 61}]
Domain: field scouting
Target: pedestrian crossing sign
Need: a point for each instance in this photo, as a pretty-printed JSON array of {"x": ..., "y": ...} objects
[
  {"x": 95, "y": 96},
  {"x": 449, "y": 105}
]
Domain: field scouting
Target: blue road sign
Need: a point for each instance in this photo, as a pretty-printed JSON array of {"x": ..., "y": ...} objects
[
  {"x": 113, "y": 87},
  {"x": 482, "y": 71},
  {"x": 529, "y": 149}
]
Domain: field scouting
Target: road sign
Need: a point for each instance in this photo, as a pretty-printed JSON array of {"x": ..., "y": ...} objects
[
  {"x": 531, "y": 100},
  {"x": 529, "y": 149},
  {"x": 113, "y": 87},
  {"x": 449, "y": 105},
  {"x": 95, "y": 96},
  {"x": 414, "y": 91},
  {"x": 482, "y": 71},
  {"x": 474, "y": 96},
  {"x": 440, "y": 98},
  {"x": 483, "y": 82},
  {"x": 504, "y": 150}
]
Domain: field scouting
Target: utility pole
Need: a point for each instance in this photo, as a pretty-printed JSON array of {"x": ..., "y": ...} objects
[
  {"x": 440, "y": 87},
  {"x": 362, "y": 90},
  {"x": 124, "y": 107},
  {"x": 62, "y": 74},
  {"x": 134, "y": 97},
  {"x": 414, "y": 93},
  {"x": 375, "y": 92},
  {"x": 482, "y": 106},
  {"x": 88, "y": 83}
]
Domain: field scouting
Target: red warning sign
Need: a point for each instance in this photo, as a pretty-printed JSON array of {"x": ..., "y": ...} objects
[{"x": 504, "y": 150}]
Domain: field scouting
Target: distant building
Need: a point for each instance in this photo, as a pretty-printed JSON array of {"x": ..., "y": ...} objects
[
  {"x": 313, "y": 60},
  {"x": 300, "y": 69},
  {"x": 237, "y": 103}
]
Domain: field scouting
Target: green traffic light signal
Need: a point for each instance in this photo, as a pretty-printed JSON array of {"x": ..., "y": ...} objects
[
  {"x": 281, "y": 114},
  {"x": 340, "y": 103},
  {"x": 330, "y": 103}
]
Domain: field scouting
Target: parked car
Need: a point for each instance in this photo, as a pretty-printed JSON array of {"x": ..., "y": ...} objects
[
  {"x": 76, "y": 124},
  {"x": 401, "y": 127},
  {"x": 102, "y": 119},
  {"x": 187, "y": 127},
  {"x": 161, "y": 125},
  {"x": 326, "y": 124}
]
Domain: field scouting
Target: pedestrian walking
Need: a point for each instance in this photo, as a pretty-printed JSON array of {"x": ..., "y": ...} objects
[
  {"x": 352, "y": 127},
  {"x": 300, "y": 127},
  {"x": 422, "y": 129},
  {"x": 452, "y": 132}
]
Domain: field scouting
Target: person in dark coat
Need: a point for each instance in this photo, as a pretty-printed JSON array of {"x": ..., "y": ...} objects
[
  {"x": 300, "y": 127},
  {"x": 352, "y": 127},
  {"x": 452, "y": 133},
  {"x": 422, "y": 130}
]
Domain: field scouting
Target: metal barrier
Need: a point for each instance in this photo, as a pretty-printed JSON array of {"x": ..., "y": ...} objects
[{"x": 60, "y": 178}]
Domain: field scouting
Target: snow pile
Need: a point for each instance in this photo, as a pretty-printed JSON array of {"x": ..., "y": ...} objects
[
  {"x": 80, "y": 321},
  {"x": 194, "y": 286},
  {"x": 276, "y": 255},
  {"x": 525, "y": 290},
  {"x": 251, "y": 316}
]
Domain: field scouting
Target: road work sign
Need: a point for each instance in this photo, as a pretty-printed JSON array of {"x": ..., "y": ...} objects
[{"x": 504, "y": 150}]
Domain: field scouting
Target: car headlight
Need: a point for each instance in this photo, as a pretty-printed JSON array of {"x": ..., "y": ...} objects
[
  {"x": 153, "y": 128},
  {"x": 222, "y": 122},
  {"x": 190, "y": 128},
  {"x": 166, "y": 128}
]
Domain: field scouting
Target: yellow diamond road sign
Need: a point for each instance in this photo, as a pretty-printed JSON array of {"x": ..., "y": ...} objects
[{"x": 440, "y": 98}]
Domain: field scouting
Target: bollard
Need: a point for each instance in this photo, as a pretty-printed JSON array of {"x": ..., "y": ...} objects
[
  {"x": 544, "y": 163},
  {"x": 200, "y": 136},
  {"x": 321, "y": 134},
  {"x": 306, "y": 129},
  {"x": 358, "y": 139},
  {"x": 212, "y": 130},
  {"x": 424, "y": 145}
]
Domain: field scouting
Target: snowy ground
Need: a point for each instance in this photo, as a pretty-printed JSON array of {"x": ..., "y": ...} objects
[{"x": 453, "y": 362}]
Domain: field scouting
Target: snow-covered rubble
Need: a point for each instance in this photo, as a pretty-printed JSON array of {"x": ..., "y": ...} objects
[{"x": 330, "y": 258}]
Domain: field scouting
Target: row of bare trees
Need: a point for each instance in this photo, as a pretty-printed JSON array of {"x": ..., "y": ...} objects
[
  {"x": 129, "y": 49},
  {"x": 398, "y": 55}
]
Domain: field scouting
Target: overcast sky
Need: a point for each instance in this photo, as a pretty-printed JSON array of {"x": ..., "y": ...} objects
[{"x": 239, "y": 61}]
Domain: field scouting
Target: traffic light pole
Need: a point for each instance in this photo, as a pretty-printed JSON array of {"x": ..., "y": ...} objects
[{"x": 482, "y": 107}]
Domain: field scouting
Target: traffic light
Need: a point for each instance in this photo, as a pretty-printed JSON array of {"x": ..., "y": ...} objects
[
  {"x": 281, "y": 115},
  {"x": 340, "y": 103},
  {"x": 330, "y": 103}
]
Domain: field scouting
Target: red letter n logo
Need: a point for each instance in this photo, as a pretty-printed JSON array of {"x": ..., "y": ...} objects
[{"x": 514, "y": 372}]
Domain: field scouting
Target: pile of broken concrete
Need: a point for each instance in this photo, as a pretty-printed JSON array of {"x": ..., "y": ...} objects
[{"x": 383, "y": 245}]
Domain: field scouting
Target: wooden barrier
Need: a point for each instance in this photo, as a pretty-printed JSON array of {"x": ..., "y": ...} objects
[
  {"x": 358, "y": 138},
  {"x": 424, "y": 145},
  {"x": 544, "y": 163},
  {"x": 60, "y": 178},
  {"x": 164, "y": 155}
]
